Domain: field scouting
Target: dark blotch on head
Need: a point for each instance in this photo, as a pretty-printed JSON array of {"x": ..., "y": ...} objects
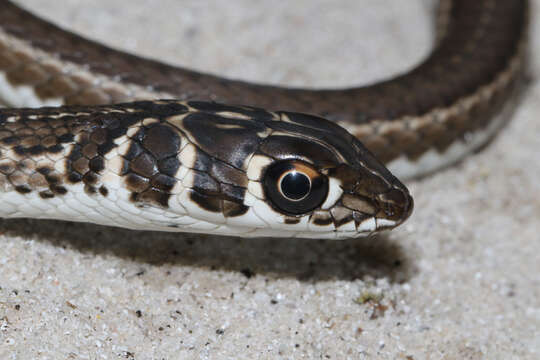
[
  {"x": 210, "y": 203},
  {"x": 161, "y": 141},
  {"x": 229, "y": 140}
]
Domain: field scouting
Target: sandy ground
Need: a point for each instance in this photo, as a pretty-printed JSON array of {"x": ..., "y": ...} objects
[{"x": 459, "y": 281}]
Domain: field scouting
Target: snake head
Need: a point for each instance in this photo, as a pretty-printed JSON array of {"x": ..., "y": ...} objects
[
  {"x": 304, "y": 176},
  {"x": 249, "y": 172},
  {"x": 324, "y": 183}
]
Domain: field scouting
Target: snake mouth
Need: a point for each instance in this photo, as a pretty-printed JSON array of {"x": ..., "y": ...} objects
[{"x": 381, "y": 212}]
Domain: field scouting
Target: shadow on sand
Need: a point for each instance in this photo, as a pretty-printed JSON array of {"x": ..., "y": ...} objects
[{"x": 304, "y": 259}]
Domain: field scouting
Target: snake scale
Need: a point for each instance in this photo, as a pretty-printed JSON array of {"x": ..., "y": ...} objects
[{"x": 86, "y": 137}]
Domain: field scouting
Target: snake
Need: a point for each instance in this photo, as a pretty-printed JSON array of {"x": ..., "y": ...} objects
[{"x": 93, "y": 134}]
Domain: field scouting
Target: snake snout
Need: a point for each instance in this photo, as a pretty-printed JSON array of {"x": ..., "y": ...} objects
[{"x": 395, "y": 205}]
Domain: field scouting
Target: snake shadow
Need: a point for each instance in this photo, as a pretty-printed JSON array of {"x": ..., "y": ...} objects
[{"x": 305, "y": 259}]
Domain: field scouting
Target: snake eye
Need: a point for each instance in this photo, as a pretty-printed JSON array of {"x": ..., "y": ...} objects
[{"x": 295, "y": 187}]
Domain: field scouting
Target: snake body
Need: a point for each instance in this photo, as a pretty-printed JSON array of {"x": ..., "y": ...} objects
[{"x": 193, "y": 164}]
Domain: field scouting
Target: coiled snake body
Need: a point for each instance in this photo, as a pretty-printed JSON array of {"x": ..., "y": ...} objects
[{"x": 105, "y": 153}]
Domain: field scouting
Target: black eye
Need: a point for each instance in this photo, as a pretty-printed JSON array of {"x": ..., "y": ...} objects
[{"x": 295, "y": 187}]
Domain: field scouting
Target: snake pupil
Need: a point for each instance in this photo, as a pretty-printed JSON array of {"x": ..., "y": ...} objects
[{"x": 295, "y": 185}]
